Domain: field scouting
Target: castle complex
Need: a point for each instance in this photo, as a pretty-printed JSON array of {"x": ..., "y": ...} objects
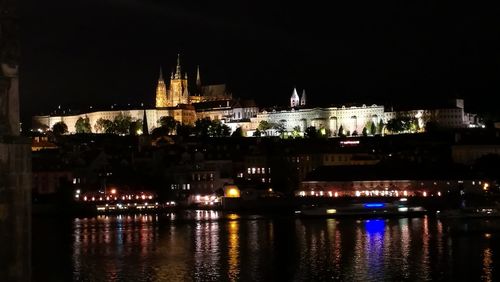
[{"x": 186, "y": 105}]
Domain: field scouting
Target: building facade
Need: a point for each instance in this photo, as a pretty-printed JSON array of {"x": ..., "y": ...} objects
[{"x": 350, "y": 120}]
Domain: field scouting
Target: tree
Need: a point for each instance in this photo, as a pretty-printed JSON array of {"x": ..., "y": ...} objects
[
  {"x": 99, "y": 125},
  {"x": 257, "y": 133},
  {"x": 218, "y": 129},
  {"x": 59, "y": 128},
  {"x": 414, "y": 126},
  {"x": 184, "y": 130},
  {"x": 395, "y": 125},
  {"x": 373, "y": 128},
  {"x": 201, "y": 127},
  {"x": 280, "y": 128},
  {"x": 237, "y": 133},
  {"x": 311, "y": 132},
  {"x": 169, "y": 123},
  {"x": 264, "y": 125},
  {"x": 341, "y": 131},
  {"x": 364, "y": 132},
  {"x": 159, "y": 132},
  {"x": 108, "y": 126},
  {"x": 355, "y": 133},
  {"x": 136, "y": 126},
  {"x": 380, "y": 127},
  {"x": 122, "y": 124},
  {"x": 296, "y": 131},
  {"x": 82, "y": 125}
]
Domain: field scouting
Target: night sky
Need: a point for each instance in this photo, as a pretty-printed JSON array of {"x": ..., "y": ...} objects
[{"x": 98, "y": 52}]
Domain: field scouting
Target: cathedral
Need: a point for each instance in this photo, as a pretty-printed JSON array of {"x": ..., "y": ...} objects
[{"x": 178, "y": 92}]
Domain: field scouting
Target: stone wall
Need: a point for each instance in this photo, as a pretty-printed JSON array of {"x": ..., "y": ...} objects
[{"x": 15, "y": 212}]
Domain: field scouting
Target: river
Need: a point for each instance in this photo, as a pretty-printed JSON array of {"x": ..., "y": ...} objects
[{"x": 217, "y": 246}]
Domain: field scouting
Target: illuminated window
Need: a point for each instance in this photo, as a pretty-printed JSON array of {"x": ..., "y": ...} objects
[
  {"x": 249, "y": 170},
  {"x": 253, "y": 170}
]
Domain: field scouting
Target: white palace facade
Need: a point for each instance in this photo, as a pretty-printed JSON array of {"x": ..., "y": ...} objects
[{"x": 350, "y": 119}]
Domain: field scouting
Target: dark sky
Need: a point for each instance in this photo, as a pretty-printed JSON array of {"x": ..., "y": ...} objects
[{"x": 98, "y": 52}]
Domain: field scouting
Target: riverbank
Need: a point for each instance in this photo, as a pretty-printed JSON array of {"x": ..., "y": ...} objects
[{"x": 275, "y": 205}]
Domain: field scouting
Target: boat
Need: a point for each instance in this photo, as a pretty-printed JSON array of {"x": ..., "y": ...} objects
[
  {"x": 470, "y": 213},
  {"x": 370, "y": 209}
]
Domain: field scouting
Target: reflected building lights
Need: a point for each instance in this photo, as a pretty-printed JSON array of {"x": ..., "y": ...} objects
[
  {"x": 487, "y": 274},
  {"x": 233, "y": 250}
]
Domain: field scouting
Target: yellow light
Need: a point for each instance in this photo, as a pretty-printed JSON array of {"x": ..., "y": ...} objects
[
  {"x": 233, "y": 193},
  {"x": 486, "y": 186},
  {"x": 331, "y": 211},
  {"x": 113, "y": 191}
]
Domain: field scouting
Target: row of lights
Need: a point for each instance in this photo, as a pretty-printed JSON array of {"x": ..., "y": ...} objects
[{"x": 366, "y": 193}]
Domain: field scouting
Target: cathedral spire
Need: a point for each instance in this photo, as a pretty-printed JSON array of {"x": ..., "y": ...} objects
[
  {"x": 303, "y": 98},
  {"x": 198, "y": 78},
  {"x": 178, "y": 73},
  {"x": 145, "y": 130},
  {"x": 161, "y": 92},
  {"x": 294, "y": 100},
  {"x": 161, "y": 75}
]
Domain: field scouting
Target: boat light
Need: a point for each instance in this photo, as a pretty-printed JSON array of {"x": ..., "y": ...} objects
[{"x": 374, "y": 205}]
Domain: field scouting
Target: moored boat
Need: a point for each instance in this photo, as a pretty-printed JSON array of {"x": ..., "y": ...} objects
[{"x": 370, "y": 209}]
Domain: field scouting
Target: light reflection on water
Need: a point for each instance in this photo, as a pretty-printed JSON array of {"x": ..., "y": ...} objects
[{"x": 213, "y": 246}]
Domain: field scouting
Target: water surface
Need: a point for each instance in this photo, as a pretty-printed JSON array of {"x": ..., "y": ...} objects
[{"x": 215, "y": 246}]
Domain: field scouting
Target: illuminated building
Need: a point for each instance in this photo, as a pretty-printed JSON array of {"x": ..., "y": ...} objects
[
  {"x": 351, "y": 120},
  {"x": 388, "y": 180},
  {"x": 174, "y": 99},
  {"x": 214, "y": 102}
]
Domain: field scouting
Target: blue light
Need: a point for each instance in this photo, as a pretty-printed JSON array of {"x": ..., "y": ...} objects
[
  {"x": 373, "y": 227},
  {"x": 374, "y": 205}
]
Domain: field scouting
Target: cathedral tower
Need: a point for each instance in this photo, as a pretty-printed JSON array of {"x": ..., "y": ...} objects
[
  {"x": 303, "y": 98},
  {"x": 294, "y": 100},
  {"x": 178, "y": 91},
  {"x": 161, "y": 93},
  {"x": 198, "y": 80}
]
